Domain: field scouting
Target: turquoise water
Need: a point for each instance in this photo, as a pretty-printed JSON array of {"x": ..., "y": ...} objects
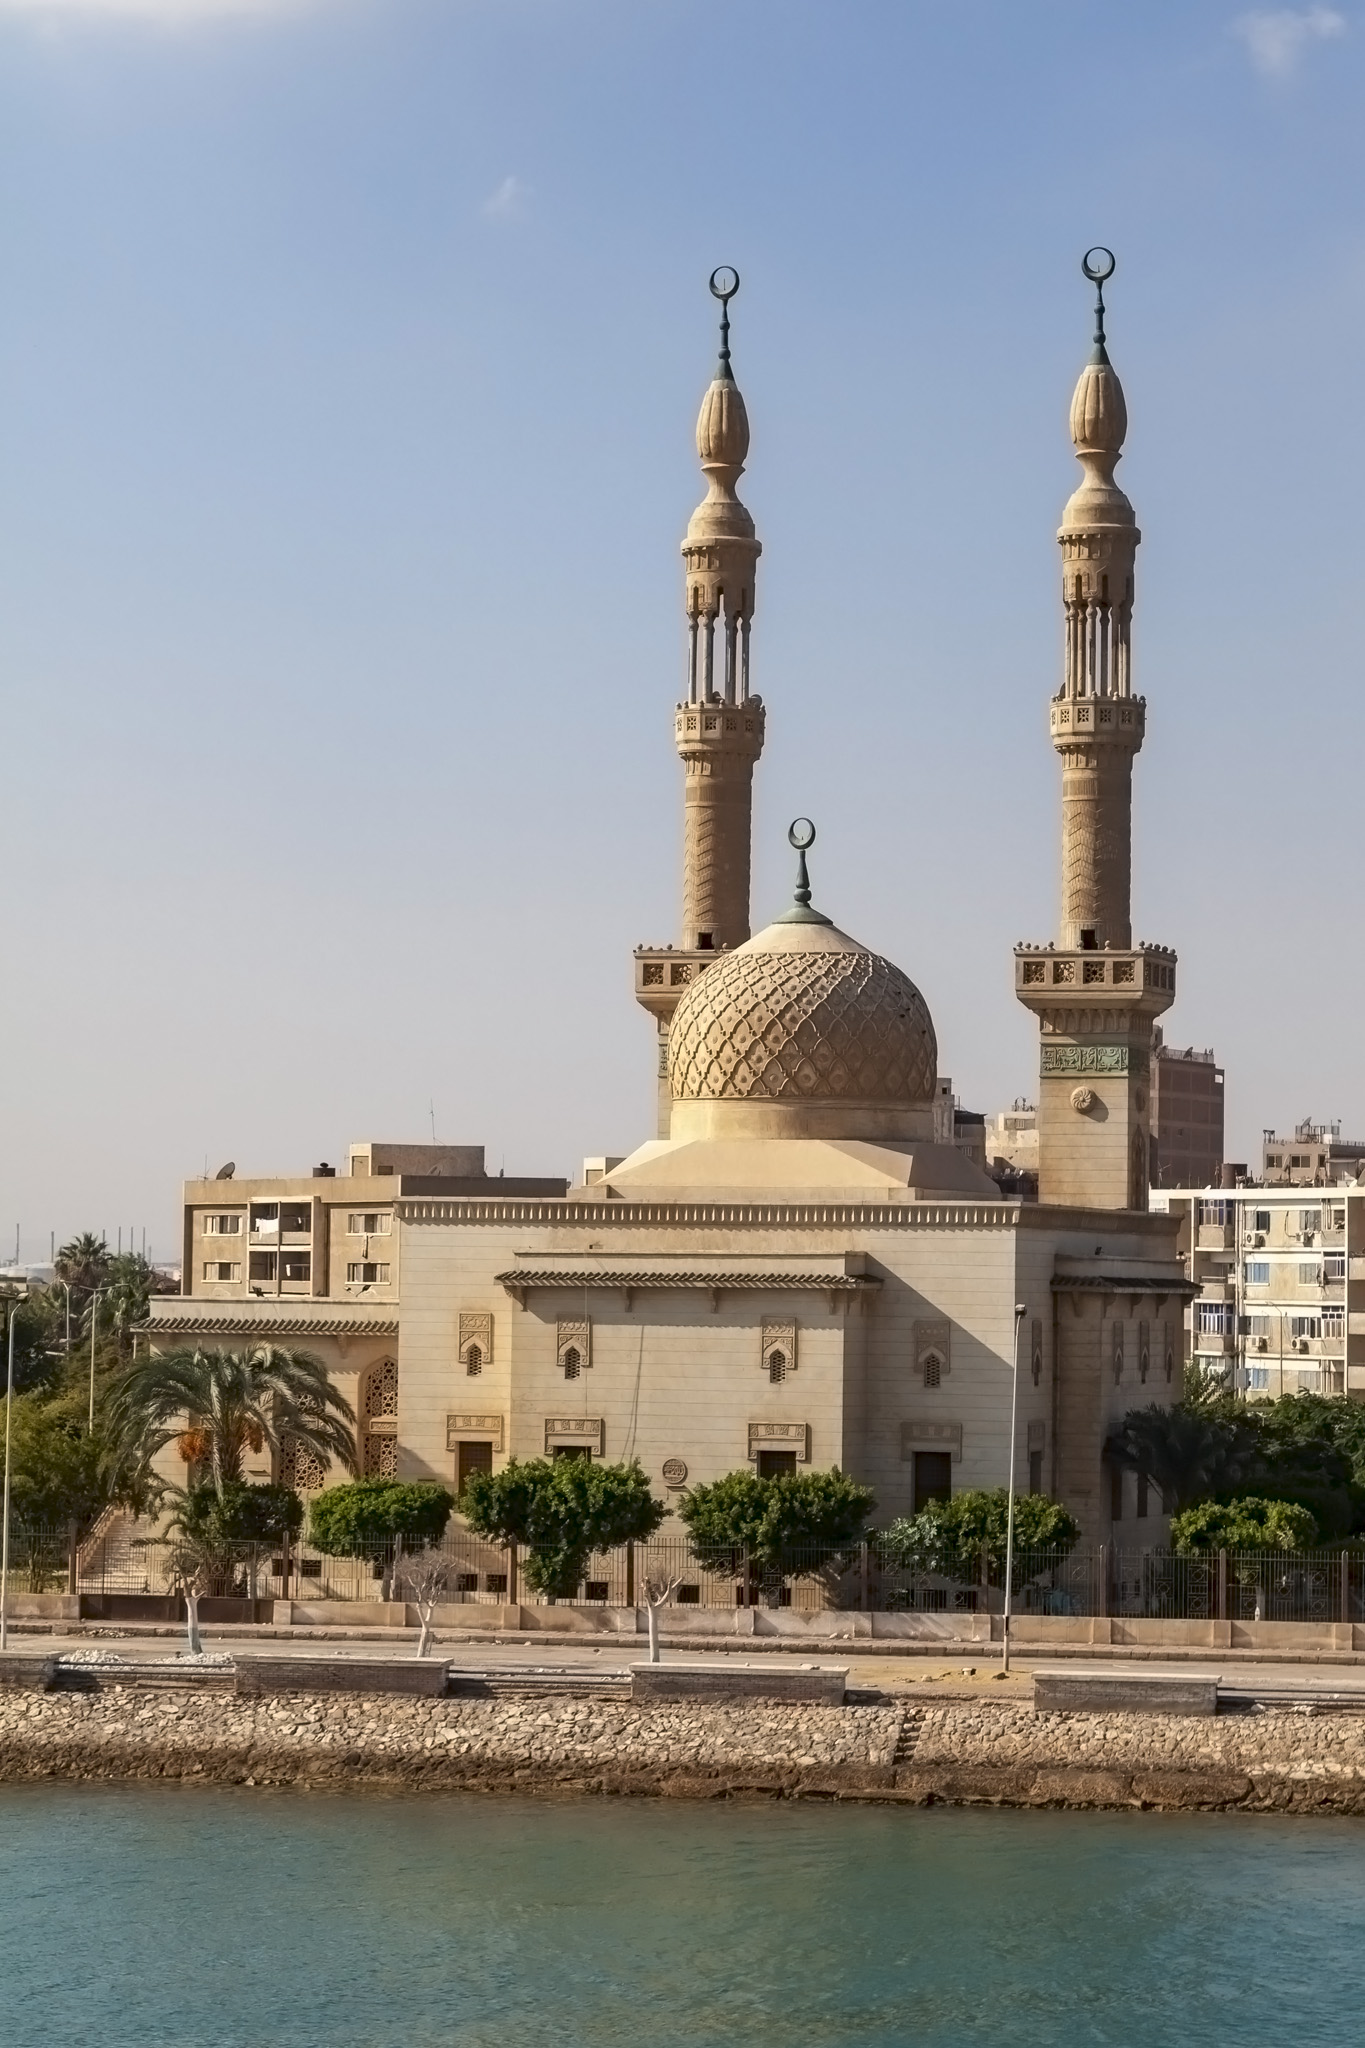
[{"x": 233, "y": 1919}]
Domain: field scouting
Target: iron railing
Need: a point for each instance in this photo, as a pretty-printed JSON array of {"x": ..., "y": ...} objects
[{"x": 1310, "y": 1586}]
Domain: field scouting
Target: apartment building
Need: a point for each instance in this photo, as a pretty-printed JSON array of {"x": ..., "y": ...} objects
[
  {"x": 1281, "y": 1278},
  {"x": 1186, "y": 1148},
  {"x": 1316, "y": 1156}
]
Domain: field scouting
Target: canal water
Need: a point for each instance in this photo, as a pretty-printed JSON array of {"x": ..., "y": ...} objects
[{"x": 144, "y": 1917}]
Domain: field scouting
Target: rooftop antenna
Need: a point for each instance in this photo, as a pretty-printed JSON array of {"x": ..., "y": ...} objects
[
  {"x": 432, "y": 1107},
  {"x": 724, "y": 285},
  {"x": 1099, "y": 265}
]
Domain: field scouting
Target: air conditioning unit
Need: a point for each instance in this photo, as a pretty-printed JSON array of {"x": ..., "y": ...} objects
[
  {"x": 1263, "y": 1343},
  {"x": 1300, "y": 1343}
]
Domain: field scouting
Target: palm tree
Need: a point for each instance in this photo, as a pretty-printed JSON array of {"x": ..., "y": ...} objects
[
  {"x": 1188, "y": 1454},
  {"x": 214, "y": 1406},
  {"x": 83, "y": 1262}
]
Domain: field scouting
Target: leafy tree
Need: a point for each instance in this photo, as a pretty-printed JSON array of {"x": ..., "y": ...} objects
[
  {"x": 562, "y": 1509},
  {"x": 39, "y": 1340},
  {"x": 216, "y": 1405},
  {"x": 966, "y": 1536},
  {"x": 779, "y": 1523},
  {"x": 240, "y": 1514},
  {"x": 83, "y": 1263},
  {"x": 356, "y": 1520},
  {"x": 58, "y": 1470},
  {"x": 1244, "y": 1524}
]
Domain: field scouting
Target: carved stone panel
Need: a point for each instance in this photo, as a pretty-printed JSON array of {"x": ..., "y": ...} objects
[
  {"x": 486, "y": 1426},
  {"x": 577, "y": 1430},
  {"x": 573, "y": 1346},
  {"x": 918, "y": 1433},
  {"x": 780, "y": 1436}
]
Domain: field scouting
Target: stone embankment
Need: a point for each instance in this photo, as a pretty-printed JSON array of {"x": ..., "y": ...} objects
[{"x": 960, "y": 1749}]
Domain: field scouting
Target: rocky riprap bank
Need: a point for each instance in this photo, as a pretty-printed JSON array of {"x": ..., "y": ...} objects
[{"x": 962, "y": 1750}]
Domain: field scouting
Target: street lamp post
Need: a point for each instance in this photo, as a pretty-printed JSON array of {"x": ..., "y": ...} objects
[
  {"x": 1020, "y": 1311},
  {"x": 94, "y": 1326},
  {"x": 4, "y": 1538}
]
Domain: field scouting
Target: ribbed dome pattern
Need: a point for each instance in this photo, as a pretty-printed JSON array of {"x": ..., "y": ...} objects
[{"x": 776, "y": 1022}]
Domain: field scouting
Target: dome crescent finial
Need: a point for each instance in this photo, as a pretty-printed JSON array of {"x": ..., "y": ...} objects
[
  {"x": 724, "y": 285},
  {"x": 1099, "y": 275}
]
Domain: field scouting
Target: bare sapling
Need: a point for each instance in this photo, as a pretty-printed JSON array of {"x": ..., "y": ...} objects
[
  {"x": 423, "y": 1576},
  {"x": 658, "y": 1589}
]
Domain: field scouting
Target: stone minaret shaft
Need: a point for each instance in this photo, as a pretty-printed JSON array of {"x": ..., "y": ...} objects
[
  {"x": 1099, "y": 538},
  {"x": 718, "y": 728},
  {"x": 1094, "y": 994}
]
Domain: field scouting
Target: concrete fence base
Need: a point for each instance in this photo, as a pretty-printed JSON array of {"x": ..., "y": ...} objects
[
  {"x": 1089, "y": 1692},
  {"x": 729, "y": 1680}
]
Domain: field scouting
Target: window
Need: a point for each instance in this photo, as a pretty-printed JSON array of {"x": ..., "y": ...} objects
[
  {"x": 933, "y": 1369},
  {"x": 1215, "y": 1212},
  {"x": 366, "y": 1273},
  {"x": 1258, "y": 1379},
  {"x": 1215, "y": 1318},
  {"x": 776, "y": 1464},
  {"x": 265, "y": 1219},
  {"x": 1261, "y": 1221},
  {"x": 1271, "y": 1159},
  {"x": 1035, "y": 1471},
  {"x": 222, "y": 1269},
  {"x": 1258, "y": 1326},
  {"x": 572, "y": 1363},
  {"x": 1333, "y": 1322},
  {"x": 296, "y": 1216},
  {"x": 1309, "y": 1221},
  {"x": 777, "y": 1367},
  {"x": 298, "y": 1265},
  {"x": 570, "y": 1451},
  {"x": 471, "y": 1457},
  {"x": 1305, "y": 1326},
  {"x": 263, "y": 1265},
  {"x": 222, "y": 1226},
  {"x": 1334, "y": 1266},
  {"x": 1299, "y": 1159},
  {"x": 1310, "y": 1273},
  {"x": 473, "y": 1361},
  {"x": 1337, "y": 1220},
  {"x": 369, "y": 1223},
  {"x": 933, "y": 1477},
  {"x": 1258, "y": 1272}
]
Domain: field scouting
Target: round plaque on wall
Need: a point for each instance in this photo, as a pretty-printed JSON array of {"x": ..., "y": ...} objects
[{"x": 675, "y": 1472}]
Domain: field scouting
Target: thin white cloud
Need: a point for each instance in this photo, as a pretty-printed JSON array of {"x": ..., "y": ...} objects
[
  {"x": 1277, "y": 37},
  {"x": 508, "y": 202},
  {"x": 169, "y": 13}
]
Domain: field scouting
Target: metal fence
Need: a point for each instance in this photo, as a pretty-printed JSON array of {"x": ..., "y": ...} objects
[{"x": 1318, "y": 1585}]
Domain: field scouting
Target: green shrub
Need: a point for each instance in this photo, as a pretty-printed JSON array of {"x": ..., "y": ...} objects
[
  {"x": 1246, "y": 1524},
  {"x": 778, "y": 1522},
  {"x": 242, "y": 1514},
  {"x": 353, "y": 1520},
  {"x": 952, "y": 1537}
]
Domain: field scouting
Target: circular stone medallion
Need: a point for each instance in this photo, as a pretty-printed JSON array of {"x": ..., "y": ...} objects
[{"x": 675, "y": 1472}]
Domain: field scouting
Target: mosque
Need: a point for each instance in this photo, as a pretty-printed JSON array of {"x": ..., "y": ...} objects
[{"x": 799, "y": 1269}]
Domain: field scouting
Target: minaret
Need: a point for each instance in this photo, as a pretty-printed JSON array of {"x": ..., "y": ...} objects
[
  {"x": 1094, "y": 994},
  {"x": 718, "y": 726}
]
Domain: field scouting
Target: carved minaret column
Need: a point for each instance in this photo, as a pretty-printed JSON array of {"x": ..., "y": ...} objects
[
  {"x": 718, "y": 727},
  {"x": 1094, "y": 995}
]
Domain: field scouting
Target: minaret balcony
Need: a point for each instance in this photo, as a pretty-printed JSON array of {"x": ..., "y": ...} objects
[
  {"x": 1139, "y": 980},
  {"x": 720, "y": 728},
  {"x": 664, "y": 974},
  {"x": 1116, "y": 720}
]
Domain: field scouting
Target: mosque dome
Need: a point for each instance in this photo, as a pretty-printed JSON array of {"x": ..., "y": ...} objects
[{"x": 802, "y": 1032}]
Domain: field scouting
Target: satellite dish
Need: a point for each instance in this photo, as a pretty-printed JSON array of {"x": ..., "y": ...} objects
[{"x": 226, "y": 1172}]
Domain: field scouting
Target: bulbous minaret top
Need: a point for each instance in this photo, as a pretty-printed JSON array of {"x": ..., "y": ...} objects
[
  {"x": 721, "y": 550},
  {"x": 1099, "y": 424}
]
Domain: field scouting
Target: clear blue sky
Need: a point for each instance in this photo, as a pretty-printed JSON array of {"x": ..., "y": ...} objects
[{"x": 350, "y": 352}]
